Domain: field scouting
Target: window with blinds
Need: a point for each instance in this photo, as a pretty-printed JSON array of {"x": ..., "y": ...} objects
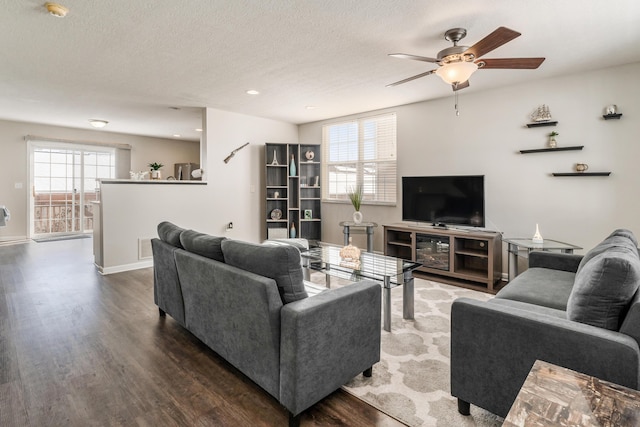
[{"x": 360, "y": 152}]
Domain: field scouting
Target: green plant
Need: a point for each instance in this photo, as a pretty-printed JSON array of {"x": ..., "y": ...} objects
[
  {"x": 355, "y": 195},
  {"x": 155, "y": 166},
  {"x": 554, "y": 133}
]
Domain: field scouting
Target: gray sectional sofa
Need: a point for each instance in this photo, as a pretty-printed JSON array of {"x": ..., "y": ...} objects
[
  {"x": 247, "y": 302},
  {"x": 580, "y": 312}
]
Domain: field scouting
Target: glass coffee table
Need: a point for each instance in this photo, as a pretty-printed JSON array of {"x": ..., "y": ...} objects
[{"x": 388, "y": 271}]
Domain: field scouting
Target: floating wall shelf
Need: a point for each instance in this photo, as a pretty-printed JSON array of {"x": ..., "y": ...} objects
[
  {"x": 582, "y": 174},
  {"x": 547, "y": 150},
  {"x": 540, "y": 124},
  {"x": 612, "y": 116}
]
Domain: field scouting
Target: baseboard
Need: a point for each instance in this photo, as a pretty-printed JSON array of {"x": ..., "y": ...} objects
[
  {"x": 125, "y": 267},
  {"x": 10, "y": 240}
]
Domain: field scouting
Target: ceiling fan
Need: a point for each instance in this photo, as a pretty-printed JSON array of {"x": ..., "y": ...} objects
[{"x": 458, "y": 63}]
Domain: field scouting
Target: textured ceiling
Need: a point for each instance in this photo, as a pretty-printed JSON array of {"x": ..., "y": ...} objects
[{"x": 128, "y": 61}]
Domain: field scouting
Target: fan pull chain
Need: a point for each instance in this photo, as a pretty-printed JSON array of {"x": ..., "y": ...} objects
[{"x": 455, "y": 94}]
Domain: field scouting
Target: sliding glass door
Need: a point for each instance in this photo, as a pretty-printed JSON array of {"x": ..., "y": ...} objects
[{"x": 64, "y": 182}]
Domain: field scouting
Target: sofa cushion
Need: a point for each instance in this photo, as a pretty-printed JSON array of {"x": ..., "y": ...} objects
[
  {"x": 540, "y": 286},
  {"x": 620, "y": 237},
  {"x": 170, "y": 233},
  {"x": 604, "y": 287},
  {"x": 202, "y": 244},
  {"x": 280, "y": 263}
]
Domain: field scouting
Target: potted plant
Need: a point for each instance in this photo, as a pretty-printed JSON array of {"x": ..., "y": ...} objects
[
  {"x": 155, "y": 170},
  {"x": 355, "y": 195},
  {"x": 552, "y": 139}
]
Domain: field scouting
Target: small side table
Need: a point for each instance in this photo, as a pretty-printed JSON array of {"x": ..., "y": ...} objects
[
  {"x": 556, "y": 396},
  {"x": 517, "y": 244},
  {"x": 363, "y": 227}
]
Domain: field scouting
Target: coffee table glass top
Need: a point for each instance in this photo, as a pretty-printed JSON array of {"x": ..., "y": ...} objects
[
  {"x": 546, "y": 244},
  {"x": 357, "y": 224},
  {"x": 369, "y": 265}
]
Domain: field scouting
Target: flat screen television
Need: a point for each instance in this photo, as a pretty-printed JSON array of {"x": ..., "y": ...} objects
[{"x": 444, "y": 200}]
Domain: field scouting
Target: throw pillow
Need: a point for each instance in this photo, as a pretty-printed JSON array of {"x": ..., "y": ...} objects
[
  {"x": 280, "y": 263},
  {"x": 604, "y": 287},
  {"x": 619, "y": 237},
  {"x": 625, "y": 233},
  {"x": 170, "y": 233},
  {"x": 202, "y": 244}
]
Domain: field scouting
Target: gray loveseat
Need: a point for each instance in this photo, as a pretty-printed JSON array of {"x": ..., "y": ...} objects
[
  {"x": 247, "y": 302},
  {"x": 582, "y": 313}
]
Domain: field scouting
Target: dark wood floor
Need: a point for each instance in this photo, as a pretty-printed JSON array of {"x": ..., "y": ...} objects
[{"x": 78, "y": 349}]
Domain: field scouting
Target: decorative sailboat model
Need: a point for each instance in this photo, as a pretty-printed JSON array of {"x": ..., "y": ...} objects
[{"x": 542, "y": 114}]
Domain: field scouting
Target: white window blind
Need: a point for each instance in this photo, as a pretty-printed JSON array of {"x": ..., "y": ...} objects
[{"x": 360, "y": 152}]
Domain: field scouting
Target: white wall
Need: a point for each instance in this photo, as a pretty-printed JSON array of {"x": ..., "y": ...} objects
[
  {"x": 236, "y": 189},
  {"x": 14, "y": 158},
  {"x": 520, "y": 192},
  {"x": 233, "y": 191},
  {"x": 130, "y": 212}
]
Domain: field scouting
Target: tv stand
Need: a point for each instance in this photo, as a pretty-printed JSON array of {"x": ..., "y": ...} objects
[{"x": 468, "y": 258}]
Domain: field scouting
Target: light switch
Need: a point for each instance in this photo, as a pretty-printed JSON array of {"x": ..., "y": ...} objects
[
  {"x": 17, "y": 185},
  {"x": 252, "y": 188}
]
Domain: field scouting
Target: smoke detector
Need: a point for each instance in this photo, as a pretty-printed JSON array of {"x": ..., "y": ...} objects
[{"x": 56, "y": 9}]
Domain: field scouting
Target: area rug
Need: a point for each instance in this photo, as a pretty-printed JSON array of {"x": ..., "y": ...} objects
[{"x": 411, "y": 382}]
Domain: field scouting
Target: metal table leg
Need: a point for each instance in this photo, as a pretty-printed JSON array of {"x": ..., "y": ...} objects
[
  {"x": 513, "y": 261},
  {"x": 369, "y": 238},
  {"x": 306, "y": 273},
  {"x": 408, "y": 295},
  {"x": 345, "y": 231},
  {"x": 386, "y": 303}
]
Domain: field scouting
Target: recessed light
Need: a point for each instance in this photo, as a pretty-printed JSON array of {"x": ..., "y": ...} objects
[
  {"x": 175, "y": 135},
  {"x": 97, "y": 123},
  {"x": 198, "y": 130},
  {"x": 253, "y": 92},
  {"x": 310, "y": 107}
]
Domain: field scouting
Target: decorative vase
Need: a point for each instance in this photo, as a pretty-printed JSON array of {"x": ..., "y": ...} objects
[
  {"x": 155, "y": 174},
  {"x": 292, "y": 167},
  {"x": 357, "y": 217},
  {"x": 552, "y": 142},
  {"x": 292, "y": 231}
]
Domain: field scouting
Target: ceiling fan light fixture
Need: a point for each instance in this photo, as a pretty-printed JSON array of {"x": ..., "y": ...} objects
[
  {"x": 96, "y": 123},
  {"x": 456, "y": 72}
]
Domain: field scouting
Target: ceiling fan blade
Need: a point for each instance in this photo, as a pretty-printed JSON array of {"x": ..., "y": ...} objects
[
  {"x": 414, "y": 57},
  {"x": 411, "y": 78},
  {"x": 493, "y": 41},
  {"x": 458, "y": 86},
  {"x": 512, "y": 63}
]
